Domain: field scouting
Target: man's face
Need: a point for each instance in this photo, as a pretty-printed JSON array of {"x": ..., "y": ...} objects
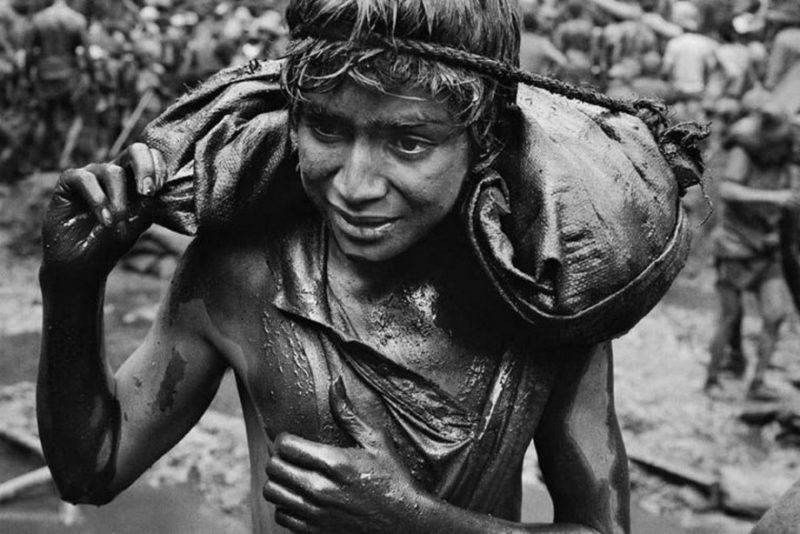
[{"x": 383, "y": 170}]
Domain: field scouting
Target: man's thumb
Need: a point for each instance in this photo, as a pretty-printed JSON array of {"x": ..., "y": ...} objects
[{"x": 345, "y": 415}]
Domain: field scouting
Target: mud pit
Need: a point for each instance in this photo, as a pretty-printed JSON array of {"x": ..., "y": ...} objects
[{"x": 659, "y": 373}]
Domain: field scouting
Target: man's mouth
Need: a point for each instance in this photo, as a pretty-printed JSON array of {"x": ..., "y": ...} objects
[{"x": 363, "y": 227}]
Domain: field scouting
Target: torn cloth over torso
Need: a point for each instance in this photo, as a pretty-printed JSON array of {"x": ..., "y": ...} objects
[{"x": 465, "y": 446}]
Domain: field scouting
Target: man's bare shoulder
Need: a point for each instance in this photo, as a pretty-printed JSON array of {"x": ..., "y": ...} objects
[{"x": 224, "y": 270}]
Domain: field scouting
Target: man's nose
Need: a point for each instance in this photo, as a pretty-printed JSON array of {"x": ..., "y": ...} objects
[{"x": 360, "y": 178}]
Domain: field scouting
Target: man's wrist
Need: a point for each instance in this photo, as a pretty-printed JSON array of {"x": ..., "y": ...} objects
[
  {"x": 440, "y": 517},
  {"x": 53, "y": 278},
  {"x": 433, "y": 514}
]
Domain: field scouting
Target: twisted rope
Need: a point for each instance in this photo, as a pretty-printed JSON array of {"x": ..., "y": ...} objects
[
  {"x": 652, "y": 112},
  {"x": 678, "y": 144}
]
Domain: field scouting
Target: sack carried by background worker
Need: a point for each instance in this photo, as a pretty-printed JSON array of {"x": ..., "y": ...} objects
[{"x": 578, "y": 222}]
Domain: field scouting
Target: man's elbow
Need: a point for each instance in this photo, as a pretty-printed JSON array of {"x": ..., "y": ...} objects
[
  {"x": 84, "y": 486},
  {"x": 75, "y": 492},
  {"x": 726, "y": 192}
]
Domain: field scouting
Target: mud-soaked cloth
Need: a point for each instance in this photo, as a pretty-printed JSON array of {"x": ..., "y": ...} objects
[
  {"x": 578, "y": 223},
  {"x": 468, "y": 453}
]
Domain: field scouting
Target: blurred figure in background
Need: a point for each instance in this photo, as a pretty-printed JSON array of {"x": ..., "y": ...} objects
[
  {"x": 266, "y": 38},
  {"x": 756, "y": 187},
  {"x": 537, "y": 52},
  {"x": 734, "y": 72},
  {"x": 207, "y": 51},
  {"x": 9, "y": 64},
  {"x": 688, "y": 61},
  {"x": 642, "y": 81},
  {"x": 574, "y": 38},
  {"x": 783, "y": 67},
  {"x": 59, "y": 71},
  {"x": 734, "y": 75}
]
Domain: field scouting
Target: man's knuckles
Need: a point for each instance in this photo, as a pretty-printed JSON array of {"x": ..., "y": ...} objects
[
  {"x": 283, "y": 441},
  {"x": 321, "y": 490}
]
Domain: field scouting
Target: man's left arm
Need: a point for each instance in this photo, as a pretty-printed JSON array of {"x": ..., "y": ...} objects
[
  {"x": 581, "y": 454},
  {"x": 579, "y": 445},
  {"x": 778, "y": 61},
  {"x": 32, "y": 46},
  {"x": 85, "y": 45}
]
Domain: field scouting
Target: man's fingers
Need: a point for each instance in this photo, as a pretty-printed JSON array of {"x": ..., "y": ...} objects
[
  {"x": 87, "y": 187},
  {"x": 308, "y": 484},
  {"x": 295, "y": 524},
  {"x": 288, "y": 475},
  {"x": 159, "y": 168},
  {"x": 320, "y": 457},
  {"x": 140, "y": 160},
  {"x": 113, "y": 180},
  {"x": 345, "y": 414},
  {"x": 147, "y": 166},
  {"x": 283, "y": 498}
]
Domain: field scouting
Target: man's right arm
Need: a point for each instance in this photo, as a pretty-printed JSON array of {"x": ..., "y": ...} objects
[
  {"x": 31, "y": 46},
  {"x": 778, "y": 60},
  {"x": 101, "y": 431},
  {"x": 622, "y": 10},
  {"x": 733, "y": 186}
]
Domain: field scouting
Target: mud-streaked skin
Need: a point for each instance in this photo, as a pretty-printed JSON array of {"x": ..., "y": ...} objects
[{"x": 318, "y": 441}]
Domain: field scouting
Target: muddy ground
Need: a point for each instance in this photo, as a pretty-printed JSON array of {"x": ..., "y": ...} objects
[{"x": 684, "y": 443}]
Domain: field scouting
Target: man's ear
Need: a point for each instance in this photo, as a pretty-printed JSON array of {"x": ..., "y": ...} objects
[
  {"x": 294, "y": 117},
  {"x": 295, "y": 109}
]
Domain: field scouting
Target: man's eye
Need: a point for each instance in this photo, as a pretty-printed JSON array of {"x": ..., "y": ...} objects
[
  {"x": 411, "y": 145},
  {"x": 327, "y": 132}
]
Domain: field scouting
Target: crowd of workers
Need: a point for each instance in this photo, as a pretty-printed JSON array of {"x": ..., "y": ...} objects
[
  {"x": 703, "y": 57},
  {"x": 79, "y": 78},
  {"x": 734, "y": 64},
  {"x": 73, "y": 74}
]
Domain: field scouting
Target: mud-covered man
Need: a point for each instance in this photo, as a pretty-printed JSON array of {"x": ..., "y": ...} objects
[
  {"x": 385, "y": 385},
  {"x": 758, "y": 186}
]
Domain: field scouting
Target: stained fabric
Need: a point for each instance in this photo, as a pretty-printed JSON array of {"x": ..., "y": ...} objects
[
  {"x": 578, "y": 223},
  {"x": 471, "y": 458}
]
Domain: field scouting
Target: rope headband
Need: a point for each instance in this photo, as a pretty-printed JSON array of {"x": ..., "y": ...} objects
[{"x": 652, "y": 112}]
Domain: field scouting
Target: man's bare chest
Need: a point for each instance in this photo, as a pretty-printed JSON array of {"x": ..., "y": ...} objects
[
  {"x": 285, "y": 353},
  {"x": 439, "y": 338},
  {"x": 449, "y": 340}
]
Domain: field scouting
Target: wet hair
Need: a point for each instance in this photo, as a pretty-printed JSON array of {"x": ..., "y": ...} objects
[
  {"x": 529, "y": 21},
  {"x": 331, "y": 44},
  {"x": 649, "y": 6},
  {"x": 574, "y": 9},
  {"x": 727, "y": 33}
]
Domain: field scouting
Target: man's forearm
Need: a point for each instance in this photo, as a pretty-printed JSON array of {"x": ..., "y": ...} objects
[
  {"x": 76, "y": 409},
  {"x": 733, "y": 192},
  {"x": 776, "y": 66},
  {"x": 619, "y": 9},
  {"x": 439, "y": 517}
]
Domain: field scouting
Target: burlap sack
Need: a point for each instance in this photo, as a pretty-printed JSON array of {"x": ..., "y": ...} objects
[{"x": 578, "y": 223}]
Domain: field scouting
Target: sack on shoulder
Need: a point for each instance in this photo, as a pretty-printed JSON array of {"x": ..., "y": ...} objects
[{"x": 578, "y": 222}]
